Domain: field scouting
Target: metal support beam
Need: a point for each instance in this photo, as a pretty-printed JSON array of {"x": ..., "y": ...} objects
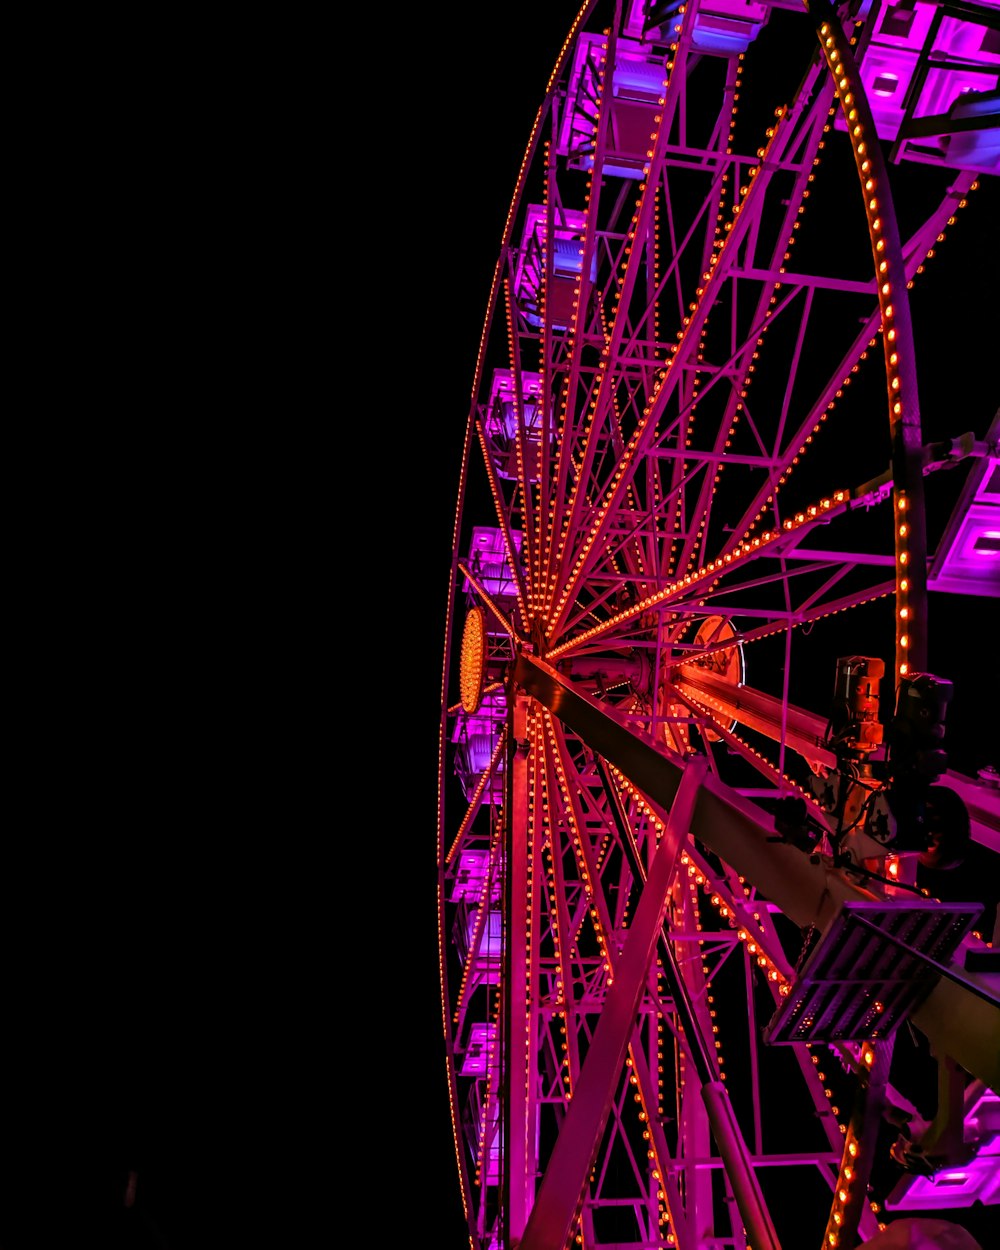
[{"x": 956, "y": 1021}]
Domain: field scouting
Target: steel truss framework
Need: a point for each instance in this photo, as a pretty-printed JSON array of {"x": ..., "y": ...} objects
[{"x": 695, "y": 464}]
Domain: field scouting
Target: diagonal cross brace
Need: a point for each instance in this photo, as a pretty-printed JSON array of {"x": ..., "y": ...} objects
[{"x": 562, "y": 1186}]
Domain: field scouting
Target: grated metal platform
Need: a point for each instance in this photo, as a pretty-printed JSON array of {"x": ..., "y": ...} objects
[{"x": 874, "y": 965}]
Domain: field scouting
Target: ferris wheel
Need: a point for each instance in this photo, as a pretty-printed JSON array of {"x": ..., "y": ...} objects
[{"x": 691, "y": 755}]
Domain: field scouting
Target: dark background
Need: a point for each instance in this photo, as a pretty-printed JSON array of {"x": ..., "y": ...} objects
[{"x": 259, "y": 265}]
